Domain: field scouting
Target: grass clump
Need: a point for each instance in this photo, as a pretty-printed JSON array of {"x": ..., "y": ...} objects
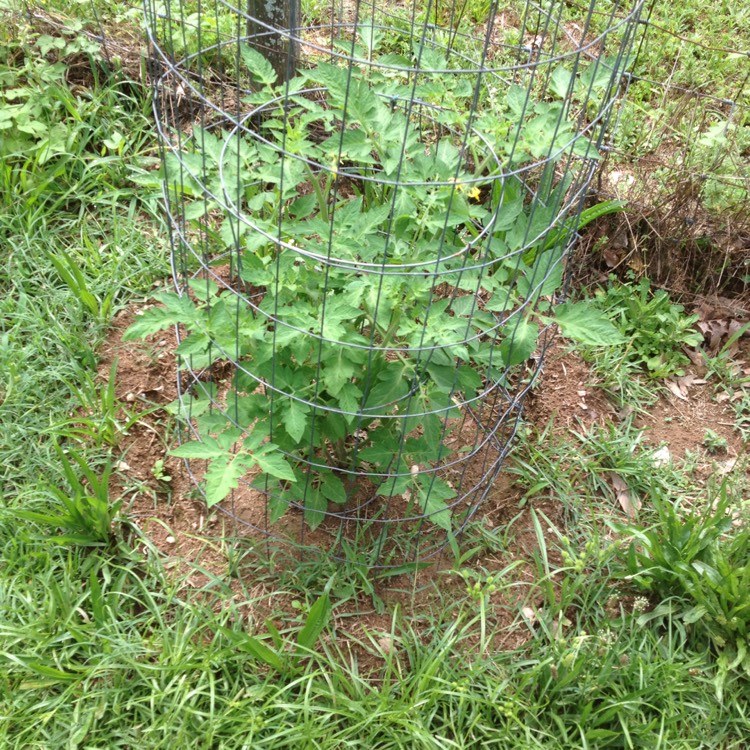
[{"x": 695, "y": 562}]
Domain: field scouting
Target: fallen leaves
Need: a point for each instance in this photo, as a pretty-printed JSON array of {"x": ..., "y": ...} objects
[
  {"x": 675, "y": 389},
  {"x": 725, "y": 467},
  {"x": 386, "y": 643},
  {"x": 629, "y": 503},
  {"x": 680, "y": 386},
  {"x": 723, "y": 335}
]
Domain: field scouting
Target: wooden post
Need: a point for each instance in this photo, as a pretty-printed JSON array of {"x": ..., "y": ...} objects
[{"x": 280, "y": 51}]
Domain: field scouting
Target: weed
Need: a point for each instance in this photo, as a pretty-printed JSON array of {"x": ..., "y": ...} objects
[
  {"x": 71, "y": 274},
  {"x": 695, "y": 563},
  {"x": 158, "y": 472},
  {"x": 287, "y": 664},
  {"x": 622, "y": 379},
  {"x": 730, "y": 383},
  {"x": 714, "y": 443},
  {"x": 653, "y": 328},
  {"x": 87, "y": 513}
]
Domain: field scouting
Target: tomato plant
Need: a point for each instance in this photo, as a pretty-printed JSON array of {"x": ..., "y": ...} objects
[{"x": 389, "y": 255}]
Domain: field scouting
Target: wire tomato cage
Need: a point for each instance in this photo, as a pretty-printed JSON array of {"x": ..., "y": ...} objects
[{"x": 371, "y": 210}]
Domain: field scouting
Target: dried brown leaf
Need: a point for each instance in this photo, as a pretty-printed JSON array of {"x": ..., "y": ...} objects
[
  {"x": 695, "y": 356},
  {"x": 726, "y": 467},
  {"x": 611, "y": 257},
  {"x": 684, "y": 382},
  {"x": 628, "y": 502},
  {"x": 386, "y": 643},
  {"x": 675, "y": 389}
]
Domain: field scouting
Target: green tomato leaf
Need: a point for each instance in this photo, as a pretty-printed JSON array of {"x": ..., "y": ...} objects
[
  {"x": 444, "y": 377},
  {"x": 274, "y": 463},
  {"x": 582, "y": 322},
  {"x": 316, "y": 506},
  {"x": 391, "y": 387},
  {"x": 349, "y": 401},
  {"x": 383, "y": 449},
  {"x": 519, "y": 342},
  {"x": 433, "y": 493},
  {"x": 559, "y": 81},
  {"x": 176, "y": 310},
  {"x": 337, "y": 372},
  {"x": 546, "y": 273},
  {"x": 194, "y": 344},
  {"x": 228, "y": 437},
  {"x": 396, "y": 485},
  {"x": 207, "y": 447},
  {"x": 277, "y": 505},
  {"x": 332, "y": 488},
  {"x": 223, "y": 476},
  {"x": 260, "y": 69},
  {"x": 295, "y": 420},
  {"x": 516, "y": 99},
  {"x": 421, "y": 451}
]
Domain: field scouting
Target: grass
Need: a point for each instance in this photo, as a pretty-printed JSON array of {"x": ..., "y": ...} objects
[
  {"x": 129, "y": 662},
  {"x": 567, "y": 646}
]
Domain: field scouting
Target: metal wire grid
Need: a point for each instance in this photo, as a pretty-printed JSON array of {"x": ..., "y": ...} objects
[
  {"x": 673, "y": 219},
  {"x": 674, "y": 226},
  {"x": 388, "y": 529}
]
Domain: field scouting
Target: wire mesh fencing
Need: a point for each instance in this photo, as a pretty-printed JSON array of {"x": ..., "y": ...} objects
[
  {"x": 371, "y": 210},
  {"x": 681, "y": 163}
]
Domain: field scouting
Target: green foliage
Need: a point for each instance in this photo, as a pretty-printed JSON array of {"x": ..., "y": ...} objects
[
  {"x": 158, "y": 472},
  {"x": 112, "y": 647},
  {"x": 726, "y": 187},
  {"x": 714, "y": 443},
  {"x": 105, "y": 419},
  {"x": 347, "y": 349},
  {"x": 584, "y": 323},
  {"x": 653, "y": 328},
  {"x": 77, "y": 238},
  {"x": 69, "y": 271},
  {"x": 87, "y": 513},
  {"x": 697, "y": 564},
  {"x": 277, "y": 658},
  {"x": 40, "y": 121}
]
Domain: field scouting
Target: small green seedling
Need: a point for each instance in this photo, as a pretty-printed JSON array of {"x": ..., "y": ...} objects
[
  {"x": 714, "y": 443},
  {"x": 158, "y": 472}
]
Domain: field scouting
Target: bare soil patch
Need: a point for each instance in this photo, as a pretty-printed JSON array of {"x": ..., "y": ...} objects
[
  {"x": 681, "y": 425},
  {"x": 565, "y": 392}
]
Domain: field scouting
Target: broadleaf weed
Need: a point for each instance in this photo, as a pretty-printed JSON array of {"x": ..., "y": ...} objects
[{"x": 696, "y": 564}]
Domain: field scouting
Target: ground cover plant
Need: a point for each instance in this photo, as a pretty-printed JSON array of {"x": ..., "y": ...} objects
[{"x": 546, "y": 631}]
